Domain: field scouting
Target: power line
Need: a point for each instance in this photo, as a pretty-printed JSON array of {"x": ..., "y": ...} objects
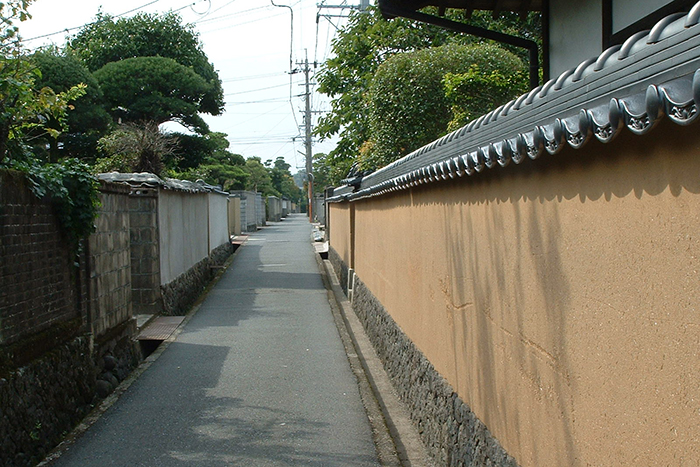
[
  {"x": 94, "y": 22},
  {"x": 251, "y": 77},
  {"x": 228, "y": 15},
  {"x": 261, "y": 101},
  {"x": 255, "y": 90}
]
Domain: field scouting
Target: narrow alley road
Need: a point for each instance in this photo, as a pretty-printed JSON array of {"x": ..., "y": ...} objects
[{"x": 258, "y": 377}]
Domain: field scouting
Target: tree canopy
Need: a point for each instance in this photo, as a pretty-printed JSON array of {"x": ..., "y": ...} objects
[
  {"x": 155, "y": 89},
  {"x": 361, "y": 47},
  {"x": 109, "y": 40},
  {"x": 25, "y": 110},
  {"x": 88, "y": 118}
]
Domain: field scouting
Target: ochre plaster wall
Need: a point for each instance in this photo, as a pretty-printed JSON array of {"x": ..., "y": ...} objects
[
  {"x": 341, "y": 233},
  {"x": 559, "y": 297}
]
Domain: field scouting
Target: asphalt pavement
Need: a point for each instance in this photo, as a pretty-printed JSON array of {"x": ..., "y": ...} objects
[{"x": 257, "y": 377}]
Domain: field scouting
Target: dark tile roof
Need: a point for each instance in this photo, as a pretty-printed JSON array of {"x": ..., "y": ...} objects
[
  {"x": 654, "y": 74},
  {"x": 149, "y": 180}
]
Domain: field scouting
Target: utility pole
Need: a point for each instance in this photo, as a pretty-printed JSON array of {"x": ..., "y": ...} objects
[{"x": 307, "y": 139}]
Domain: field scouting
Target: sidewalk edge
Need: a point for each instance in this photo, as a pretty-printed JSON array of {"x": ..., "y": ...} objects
[{"x": 403, "y": 446}]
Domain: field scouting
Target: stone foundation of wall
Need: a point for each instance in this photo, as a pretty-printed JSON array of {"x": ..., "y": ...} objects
[
  {"x": 180, "y": 294},
  {"x": 451, "y": 432},
  {"x": 341, "y": 269},
  {"x": 116, "y": 354},
  {"x": 44, "y": 400}
]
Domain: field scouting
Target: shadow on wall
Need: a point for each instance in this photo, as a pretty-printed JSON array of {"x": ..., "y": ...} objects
[
  {"x": 528, "y": 243},
  {"x": 668, "y": 163}
]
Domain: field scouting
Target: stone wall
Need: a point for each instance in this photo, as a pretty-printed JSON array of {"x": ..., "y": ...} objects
[
  {"x": 59, "y": 352},
  {"x": 341, "y": 269},
  {"x": 43, "y": 400},
  {"x": 38, "y": 283}
]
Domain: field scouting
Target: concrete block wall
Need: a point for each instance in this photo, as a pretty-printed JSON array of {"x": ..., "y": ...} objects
[
  {"x": 260, "y": 209},
  {"x": 274, "y": 209},
  {"x": 110, "y": 261},
  {"x": 37, "y": 276},
  {"x": 145, "y": 263}
]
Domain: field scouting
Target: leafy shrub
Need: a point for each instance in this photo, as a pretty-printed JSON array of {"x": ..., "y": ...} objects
[{"x": 411, "y": 103}]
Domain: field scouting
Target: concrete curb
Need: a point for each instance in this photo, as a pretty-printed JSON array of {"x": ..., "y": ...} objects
[{"x": 396, "y": 437}]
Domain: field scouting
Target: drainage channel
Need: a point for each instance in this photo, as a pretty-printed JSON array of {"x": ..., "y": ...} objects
[{"x": 156, "y": 331}]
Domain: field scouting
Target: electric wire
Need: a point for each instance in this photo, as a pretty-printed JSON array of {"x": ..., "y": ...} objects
[
  {"x": 93, "y": 22},
  {"x": 43, "y": 36},
  {"x": 252, "y": 77},
  {"x": 255, "y": 90}
]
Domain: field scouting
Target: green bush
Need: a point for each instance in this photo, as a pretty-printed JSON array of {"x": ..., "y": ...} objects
[{"x": 419, "y": 96}]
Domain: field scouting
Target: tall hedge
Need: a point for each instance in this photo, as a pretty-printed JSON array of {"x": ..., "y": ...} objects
[{"x": 415, "y": 96}]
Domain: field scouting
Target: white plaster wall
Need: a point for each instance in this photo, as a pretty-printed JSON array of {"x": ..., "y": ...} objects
[
  {"x": 576, "y": 33},
  {"x": 218, "y": 219},
  {"x": 184, "y": 232}
]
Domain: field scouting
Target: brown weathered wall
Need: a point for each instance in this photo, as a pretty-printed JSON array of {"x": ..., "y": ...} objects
[
  {"x": 558, "y": 298},
  {"x": 341, "y": 235},
  {"x": 38, "y": 287}
]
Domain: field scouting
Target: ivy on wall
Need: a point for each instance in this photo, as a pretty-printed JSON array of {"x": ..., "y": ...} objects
[{"x": 72, "y": 190}]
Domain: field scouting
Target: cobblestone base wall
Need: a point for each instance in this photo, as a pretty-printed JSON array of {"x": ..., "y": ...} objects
[
  {"x": 180, "y": 294},
  {"x": 341, "y": 269},
  {"x": 452, "y": 433},
  {"x": 116, "y": 355},
  {"x": 44, "y": 400}
]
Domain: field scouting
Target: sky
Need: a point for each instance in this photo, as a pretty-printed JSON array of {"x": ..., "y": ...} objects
[{"x": 249, "y": 42}]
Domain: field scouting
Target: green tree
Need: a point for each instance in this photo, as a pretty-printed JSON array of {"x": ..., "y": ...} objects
[
  {"x": 325, "y": 174},
  {"x": 259, "y": 177},
  {"x": 87, "y": 121},
  {"x": 478, "y": 91},
  {"x": 153, "y": 89},
  {"x": 24, "y": 111},
  {"x": 109, "y": 40},
  {"x": 408, "y": 106},
  {"x": 365, "y": 43},
  {"x": 282, "y": 180},
  {"x": 194, "y": 149},
  {"x": 219, "y": 166},
  {"x": 24, "y": 107},
  {"x": 359, "y": 48}
]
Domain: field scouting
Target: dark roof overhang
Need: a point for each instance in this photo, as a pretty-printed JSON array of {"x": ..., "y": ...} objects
[{"x": 518, "y": 6}]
